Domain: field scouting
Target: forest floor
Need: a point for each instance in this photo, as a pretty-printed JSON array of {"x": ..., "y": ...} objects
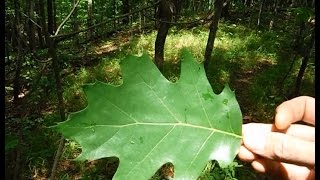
[{"x": 253, "y": 62}]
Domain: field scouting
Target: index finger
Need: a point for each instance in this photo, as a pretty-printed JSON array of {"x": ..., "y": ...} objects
[{"x": 297, "y": 109}]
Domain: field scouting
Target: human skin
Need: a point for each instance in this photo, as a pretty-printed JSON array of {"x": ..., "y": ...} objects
[{"x": 283, "y": 149}]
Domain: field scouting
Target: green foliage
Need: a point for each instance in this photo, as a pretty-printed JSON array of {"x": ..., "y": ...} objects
[
  {"x": 10, "y": 142},
  {"x": 148, "y": 121},
  {"x": 302, "y": 14}
]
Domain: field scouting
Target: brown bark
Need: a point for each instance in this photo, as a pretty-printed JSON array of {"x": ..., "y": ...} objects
[
  {"x": 114, "y": 15},
  {"x": 212, "y": 33},
  {"x": 39, "y": 29},
  {"x": 75, "y": 24},
  {"x": 260, "y": 12},
  {"x": 89, "y": 20},
  {"x": 50, "y": 17},
  {"x": 303, "y": 67},
  {"x": 59, "y": 90},
  {"x": 15, "y": 24},
  {"x": 159, "y": 44},
  {"x": 125, "y": 10},
  {"x": 16, "y": 83},
  {"x": 43, "y": 24},
  {"x": 61, "y": 37},
  {"x": 54, "y": 14},
  {"x": 31, "y": 34},
  {"x": 225, "y": 9},
  {"x": 165, "y": 13}
]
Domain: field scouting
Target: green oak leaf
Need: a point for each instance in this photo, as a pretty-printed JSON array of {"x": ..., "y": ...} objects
[{"x": 148, "y": 121}]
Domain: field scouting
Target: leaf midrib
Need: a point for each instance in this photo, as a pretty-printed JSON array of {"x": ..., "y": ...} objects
[{"x": 166, "y": 124}]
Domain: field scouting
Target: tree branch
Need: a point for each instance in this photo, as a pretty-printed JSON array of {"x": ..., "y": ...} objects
[
  {"x": 66, "y": 19},
  {"x": 65, "y": 36},
  {"x": 31, "y": 20},
  {"x": 206, "y": 18}
]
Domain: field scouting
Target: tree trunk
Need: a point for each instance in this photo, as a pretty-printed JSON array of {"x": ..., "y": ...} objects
[
  {"x": 89, "y": 20},
  {"x": 75, "y": 23},
  {"x": 275, "y": 7},
  {"x": 260, "y": 12},
  {"x": 16, "y": 83},
  {"x": 212, "y": 34},
  {"x": 225, "y": 9},
  {"x": 165, "y": 13},
  {"x": 59, "y": 90},
  {"x": 15, "y": 24},
  {"x": 54, "y": 14},
  {"x": 39, "y": 30},
  {"x": 50, "y": 17},
  {"x": 155, "y": 14},
  {"x": 43, "y": 24},
  {"x": 159, "y": 45},
  {"x": 31, "y": 34},
  {"x": 114, "y": 15},
  {"x": 307, "y": 51},
  {"x": 125, "y": 10}
]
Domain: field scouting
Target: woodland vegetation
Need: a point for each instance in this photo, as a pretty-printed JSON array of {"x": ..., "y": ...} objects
[{"x": 263, "y": 49}]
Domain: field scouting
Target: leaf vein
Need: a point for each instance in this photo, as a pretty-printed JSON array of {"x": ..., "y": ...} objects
[
  {"x": 194, "y": 158},
  {"x": 163, "y": 104},
  {"x": 134, "y": 167}
]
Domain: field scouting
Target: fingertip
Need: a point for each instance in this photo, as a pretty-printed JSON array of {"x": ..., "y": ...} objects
[
  {"x": 297, "y": 109},
  {"x": 282, "y": 117},
  {"x": 246, "y": 155},
  {"x": 259, "y": 166}
]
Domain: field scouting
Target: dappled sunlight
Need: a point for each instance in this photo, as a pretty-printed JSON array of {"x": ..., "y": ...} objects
[{"x": 107, "y": 48}]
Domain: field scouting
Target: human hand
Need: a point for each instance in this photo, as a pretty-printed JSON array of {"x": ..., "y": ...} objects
[{"x": 283, "y": 149}]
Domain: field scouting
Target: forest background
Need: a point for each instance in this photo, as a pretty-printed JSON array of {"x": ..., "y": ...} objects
[{"x": 263, "y": 49}]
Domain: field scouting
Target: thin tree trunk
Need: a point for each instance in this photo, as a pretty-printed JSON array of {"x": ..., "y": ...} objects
[
  {"x": 155, "y": 13},
  {"x": 16, "y": 173},
  {"x": 289, "y": 70},
  {"x": 75, "y": 23},
  {"x": 89, "y": 20},
  {"x": 114, "y": 14},
  {"x": 260, "y": 12},
  {"x": 225, "y": 9},
  {"x": 43, "y": 24},
  {"x": 272, "y": 21},
  {"x": 54, "y": 15},
  {"x": 31, "y": 34},
  {"x": 304, "y": 64},
  {"x": 16, "y": 84},
  {"x": 15, "y": 25},
  {"x": 125, "y": 10},
  {"x": 39, "y": 29},
  {"x": 50, "y": 17},
  {"x": 276, "y": 4},
  {"x": 212, "y": 33},
  {"x": 56, "y": 69},
  {"x": 53, "y": 54},
  {"x": 165, "y": 14},
  {"x": 159, "y": 44}
]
